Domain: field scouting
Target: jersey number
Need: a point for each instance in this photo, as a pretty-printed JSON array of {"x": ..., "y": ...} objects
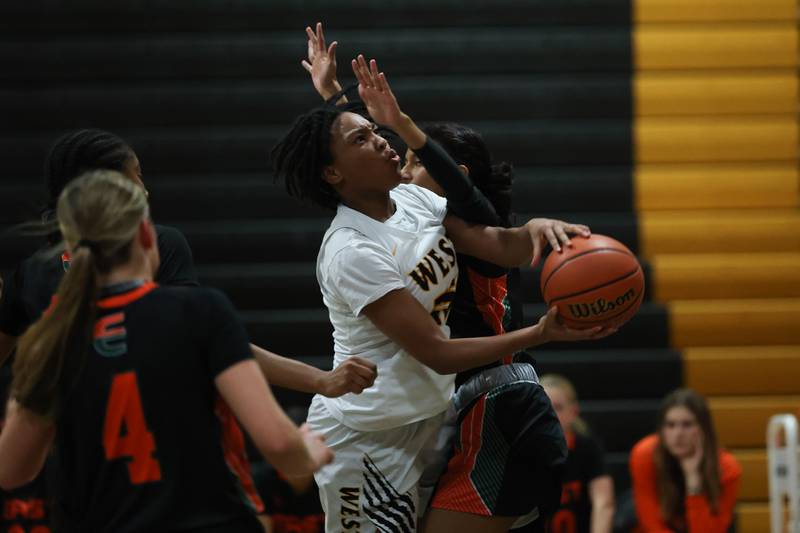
[
  {"x": 563, "y": 522},
  {"x": 125, "y": 406}
]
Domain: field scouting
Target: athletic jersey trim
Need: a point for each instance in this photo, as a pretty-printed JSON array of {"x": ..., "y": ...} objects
[{"x": 122, "y": 300}]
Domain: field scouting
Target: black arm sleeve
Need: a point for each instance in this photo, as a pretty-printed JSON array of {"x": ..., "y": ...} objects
[
  {"x": 463, "y": 199},
  {"x": 177, "y": 265}
]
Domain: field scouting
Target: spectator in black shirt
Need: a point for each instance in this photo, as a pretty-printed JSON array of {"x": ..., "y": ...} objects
[{"x": 587, "y": 498}]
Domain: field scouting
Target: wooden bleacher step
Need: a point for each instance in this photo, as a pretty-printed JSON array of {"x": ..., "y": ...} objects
[
  {"x": 752, "y": 518},
  {"x": 716, "y": 46},
  {"x": 752, "y": 370},
  {"x": 741, "y": 421},
  {"x": 755, "y": 486},
  {"x": 725, "y": 276},
  {"x": 646, "y": 11},
  {"x": 723, "y": 231},
  {"x": 720, "y": 93},
  {"x": 745, "y": 322},
  {"x": 716, "y": 186}
]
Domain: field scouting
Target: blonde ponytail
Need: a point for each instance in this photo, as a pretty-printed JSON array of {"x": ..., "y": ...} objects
[{"x": 99, "y": 214}]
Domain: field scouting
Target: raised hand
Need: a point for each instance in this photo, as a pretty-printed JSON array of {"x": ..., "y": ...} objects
[
  {"x": 374, "y": 90},
  {"x": 544, "y": 231},
  {"x": 352, "y": 375},
  {"x": 321, "y": 62}
]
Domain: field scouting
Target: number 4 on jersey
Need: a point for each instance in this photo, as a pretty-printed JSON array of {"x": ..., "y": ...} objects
[{"x": 125, "y": 406}]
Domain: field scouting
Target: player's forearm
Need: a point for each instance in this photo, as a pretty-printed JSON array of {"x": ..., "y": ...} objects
[
  {"x": 329, "y": 90},
  {"x": 25, "y": 441},
  {"x": 288, "y": 373},
  {"x": 293, "y": 459},
  {"x": 448, "y": 356},
  {"x": 506, "y": 247},
  {"x": 602, "y": 517}
]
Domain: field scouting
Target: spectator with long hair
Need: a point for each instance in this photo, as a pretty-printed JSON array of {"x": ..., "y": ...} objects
[{"x": 682, "y": 480}]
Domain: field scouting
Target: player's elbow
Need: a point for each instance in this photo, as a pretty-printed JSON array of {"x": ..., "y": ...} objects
[
  {"x": 14, "y": 478},
  {"x": 442, "y": 368},
  {"x": 280, "y": 444}
]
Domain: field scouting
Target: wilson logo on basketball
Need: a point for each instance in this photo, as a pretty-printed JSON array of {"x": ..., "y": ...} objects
[{"x": 601, "y": 306}]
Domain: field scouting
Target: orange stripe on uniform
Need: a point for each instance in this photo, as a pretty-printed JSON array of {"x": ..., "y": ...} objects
[
  {"x": 235, "y": 455},
  {"x": 456, "y": 492},
  {"x": 489, "y": 295},
  {"x": 124, "y": 299}
]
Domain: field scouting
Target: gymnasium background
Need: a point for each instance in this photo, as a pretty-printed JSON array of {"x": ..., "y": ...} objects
[{"x": 668, "y": 124}]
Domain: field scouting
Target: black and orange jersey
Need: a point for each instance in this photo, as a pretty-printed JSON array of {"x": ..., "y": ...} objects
[
  {"x": 481, "y": 306},
  {"x": 27, "y": 293},
  {"x": 139, "y": 446},
  {"x": 584, "y": 463}
]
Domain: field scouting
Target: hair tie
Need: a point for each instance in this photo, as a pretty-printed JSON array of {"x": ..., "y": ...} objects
[{"x": 91, "y": 245}]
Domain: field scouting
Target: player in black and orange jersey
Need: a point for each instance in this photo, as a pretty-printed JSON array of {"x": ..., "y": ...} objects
[
  {"x": 31, "y": 287},
  {"x": 121, "y": 377}
]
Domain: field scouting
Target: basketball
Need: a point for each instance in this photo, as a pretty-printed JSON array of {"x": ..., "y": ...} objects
[{"x": 596, "y": 282}]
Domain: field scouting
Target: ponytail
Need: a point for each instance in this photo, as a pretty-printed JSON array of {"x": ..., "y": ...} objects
[
  {"x": 99, "y": 215},
  {"x": 43, "y": 362},
  {"x": 467, "y": 147}
]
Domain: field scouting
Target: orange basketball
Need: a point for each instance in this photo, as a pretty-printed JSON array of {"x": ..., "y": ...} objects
[{"x": 596, "y": 282}]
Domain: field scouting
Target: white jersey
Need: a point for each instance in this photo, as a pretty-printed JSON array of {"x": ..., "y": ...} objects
[{"x": 360, "y": 261}]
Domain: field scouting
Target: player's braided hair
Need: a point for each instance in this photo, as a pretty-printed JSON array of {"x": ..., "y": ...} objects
[
  {"x": 78, "y": 152},
  {"x": 467, "y": 147},
  {"x": 301, "y": 156}
]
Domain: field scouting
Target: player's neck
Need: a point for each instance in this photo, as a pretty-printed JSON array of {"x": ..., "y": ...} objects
[{"x": 380, "y": 207}]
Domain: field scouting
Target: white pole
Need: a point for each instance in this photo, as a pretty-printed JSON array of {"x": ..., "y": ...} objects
[{"x": 784, "y": 481}]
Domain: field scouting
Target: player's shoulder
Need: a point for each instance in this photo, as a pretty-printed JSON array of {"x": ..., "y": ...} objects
[
  {"x": 415, "y": 192},
  {"x": 194, "y": 300},
  {"x": 169, "y": 233},
  {"x": 642, "y": 452},
  {"x": 344, "y": 237},
  {"x": 420, "y": 202},
  {"x": 730, "y": 468}
]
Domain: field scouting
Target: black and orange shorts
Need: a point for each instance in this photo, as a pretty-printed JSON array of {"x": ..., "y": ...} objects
[{"x": 509, "y": 453}]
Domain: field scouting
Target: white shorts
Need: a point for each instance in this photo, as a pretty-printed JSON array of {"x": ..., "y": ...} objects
[{"x": 372, "y": 483}]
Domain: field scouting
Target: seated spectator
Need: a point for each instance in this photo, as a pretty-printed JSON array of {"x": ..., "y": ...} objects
[
  {"x": 682, "y": 481},
  {"x": 587, "y": 496}
]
